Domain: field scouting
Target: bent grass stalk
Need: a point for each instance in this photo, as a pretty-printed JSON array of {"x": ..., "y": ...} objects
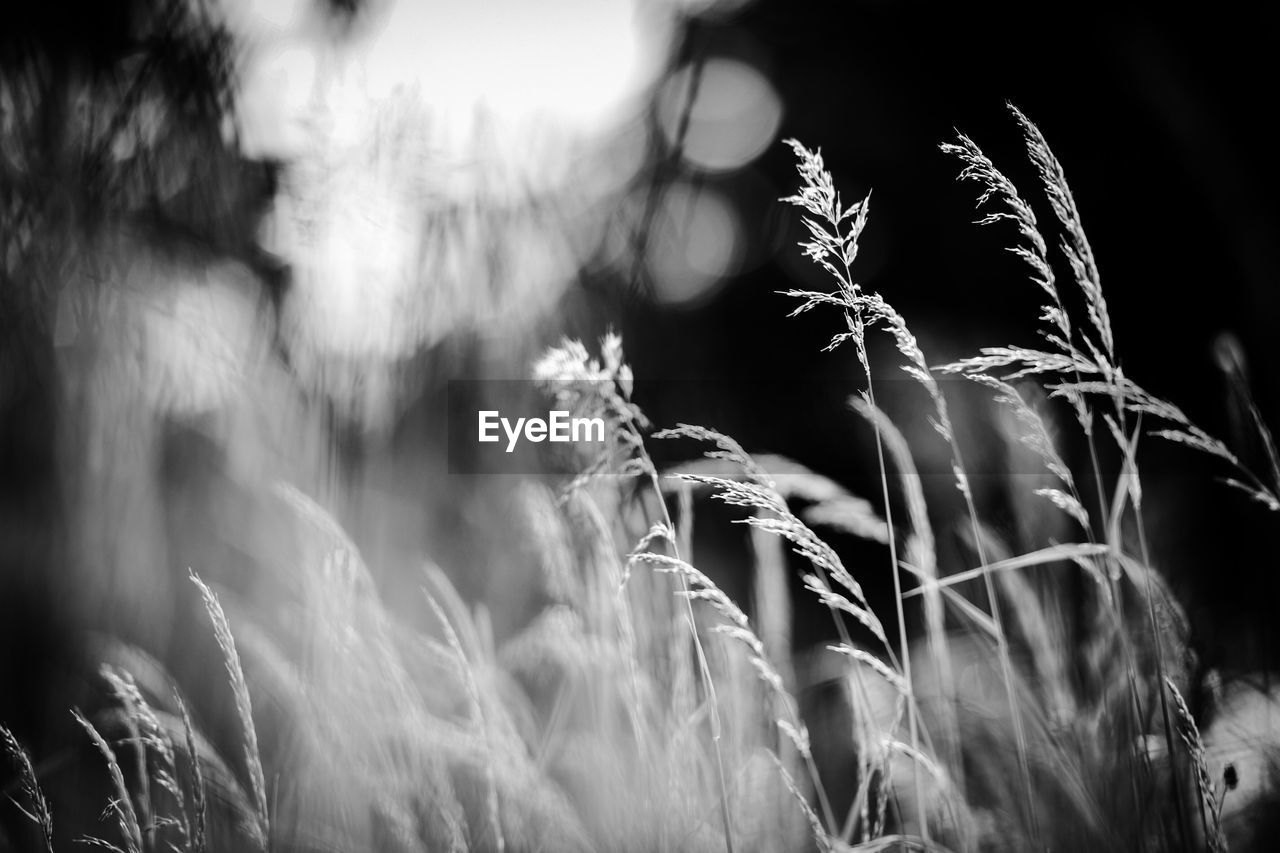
[
  {"x": 818, "y": 197},
  {"x": 1210, "y": 814},
  {"x": 578, "y": 380},
  {"x": 918, "y": 368},
  {"x": 37, "y": 810},
  {"x": 738, "y": 628},
  {"x": 771, "y": 515},
  {"x": 704, "y": 668},
  {"x": 1075, "y": 245},
  {"x": 149, "y": 736},
  {"x": 1058, "y": 331},
  {"x": 244, "y": 706},
  {"x": 477, "y": 710},
  {"x": 121, "y": 804},
  {"x": 198, "y": 796},
  {"x": 1096, "y": 359}
]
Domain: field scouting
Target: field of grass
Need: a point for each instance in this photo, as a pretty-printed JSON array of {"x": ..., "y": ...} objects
[{"x": 1043, "y": 695}]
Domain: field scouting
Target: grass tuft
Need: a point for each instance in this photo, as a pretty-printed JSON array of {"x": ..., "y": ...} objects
[
  {"x": 37, "y": 808},
  {"x": 244, "y": 705}
]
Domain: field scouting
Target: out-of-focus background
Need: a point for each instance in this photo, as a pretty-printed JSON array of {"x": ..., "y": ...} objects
[
  {"x": 248, "y": 241},
  {"x": 1158, "y": 118}
]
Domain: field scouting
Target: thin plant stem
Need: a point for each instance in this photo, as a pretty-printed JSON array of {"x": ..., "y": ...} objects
[
  {"x": 1002, "y": 641},
  {"x": 704, "y": 669},
  {"x": 912, "y": 723},
  {"x": 1158, "y": 646}
]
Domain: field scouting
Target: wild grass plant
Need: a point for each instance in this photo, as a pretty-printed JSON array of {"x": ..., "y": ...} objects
[{"x": 1041, "y": 704}]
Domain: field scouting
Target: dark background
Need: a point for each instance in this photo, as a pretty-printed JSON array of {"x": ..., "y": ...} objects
[{"x": 1160, "y": 116}]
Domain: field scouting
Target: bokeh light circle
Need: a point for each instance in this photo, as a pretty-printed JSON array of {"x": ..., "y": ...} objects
[
  {"x": 733, "y": 118},
  {"x": 695, "y": 243}
]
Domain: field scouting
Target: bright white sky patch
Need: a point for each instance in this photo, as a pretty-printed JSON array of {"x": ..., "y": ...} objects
[
  {"x": 577, "y": 60},
  {"x": 578, "y": 64},
  {"x": 448, "y": 165}
]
